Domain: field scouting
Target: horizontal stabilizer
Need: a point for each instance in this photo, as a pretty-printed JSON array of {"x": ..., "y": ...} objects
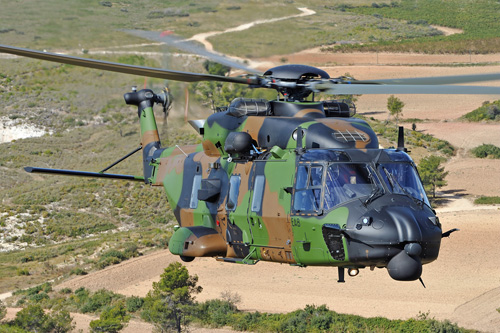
[{"x": 83, "y": 173}]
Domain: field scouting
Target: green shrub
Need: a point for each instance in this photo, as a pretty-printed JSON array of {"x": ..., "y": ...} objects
[
  {"x": 81, "y": 292},
  {"x": 486, "y": 150},
  {"x": 107, "y": 261},
  {"x": 314, "y": 319},
  {"x": 66, "y": 291},
  {"x": 78, "y": 271},
  {"x": 39, "y": 297},
  {"x": 111, "y": 320},
  {"x": 44, "y": 287},
  {"x": 27, "y": 258},
  {"x": 22, "y": 271},
  {"x": 134, "y": 303},
  {"x": 98, "y": 301},
  {"x": 216, "y": 312},
  {"x": 115, "y": 254}
]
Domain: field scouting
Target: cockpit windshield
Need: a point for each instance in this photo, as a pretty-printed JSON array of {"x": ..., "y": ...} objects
[
  {"x": 325, "y": 186},
  {"x": 401, "y": 178},
  {"x": 321, "y": 186},
  {"x": 345, "y": 182}
]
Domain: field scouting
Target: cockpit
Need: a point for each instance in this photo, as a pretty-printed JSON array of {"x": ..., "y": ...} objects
[{"x": 326, "y": 178}]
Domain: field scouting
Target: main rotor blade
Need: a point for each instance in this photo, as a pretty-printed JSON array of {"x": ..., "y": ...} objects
[
  {"x": 452, "y": 79},
  {"x": 191, "y": 47},
  {"x": 124, "y": 68},
  {"x": 355, "y": 89}
]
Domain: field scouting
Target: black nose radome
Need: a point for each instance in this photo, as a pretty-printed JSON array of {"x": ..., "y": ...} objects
[{"x": 403, "y": 267}]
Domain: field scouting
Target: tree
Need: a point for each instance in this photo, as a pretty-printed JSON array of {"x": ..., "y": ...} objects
[
  {"x": 111, "y": 320},
  {"x": 395, "y": 107},
  {"x": 33, "y": 319},
  {"x": 171, "y": 299},
  {"x": 60, "y": 322},
  {"x": 432, "y": 173}
]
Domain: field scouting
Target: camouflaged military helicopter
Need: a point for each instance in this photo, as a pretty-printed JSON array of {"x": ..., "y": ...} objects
[{"x": 292, "y": 180}]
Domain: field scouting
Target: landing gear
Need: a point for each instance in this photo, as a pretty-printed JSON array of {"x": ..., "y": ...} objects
[
  {"x": 341, "y": 275},
  {"x": 353, "y": 272}
]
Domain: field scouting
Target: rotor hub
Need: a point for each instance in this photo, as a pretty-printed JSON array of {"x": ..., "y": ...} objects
[{"x": 292, "y": 80}]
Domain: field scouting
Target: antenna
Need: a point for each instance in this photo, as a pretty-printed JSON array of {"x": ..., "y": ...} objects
[{"x": 401, "y": 139}]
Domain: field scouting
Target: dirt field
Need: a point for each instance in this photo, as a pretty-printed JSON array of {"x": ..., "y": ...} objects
[{"x": 463, "y": 285}]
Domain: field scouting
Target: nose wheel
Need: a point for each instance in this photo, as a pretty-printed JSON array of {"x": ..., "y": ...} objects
[{"x": 353, "y": 272}]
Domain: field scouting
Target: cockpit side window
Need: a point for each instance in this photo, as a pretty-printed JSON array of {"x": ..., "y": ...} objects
[{"x": 308, "y": 187}]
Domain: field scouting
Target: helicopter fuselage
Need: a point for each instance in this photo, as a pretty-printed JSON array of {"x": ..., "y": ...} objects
[
  {"x": 290, "y": 180},
  {"x": 303, "y": 190}
]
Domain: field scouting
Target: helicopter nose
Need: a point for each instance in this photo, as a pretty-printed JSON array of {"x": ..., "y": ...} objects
[
  {"x": 406, "y": 265},
  {"x": 396, "y": 234}
]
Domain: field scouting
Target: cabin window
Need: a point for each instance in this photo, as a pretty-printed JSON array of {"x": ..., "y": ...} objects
[
  {"x": 234, "y": 189},
  {"x": 194, "y": 191},
  {"x": 258, "y": 192}
]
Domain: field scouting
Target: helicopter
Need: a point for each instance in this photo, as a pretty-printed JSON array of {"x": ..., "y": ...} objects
[{"x": 293, "y": 180}]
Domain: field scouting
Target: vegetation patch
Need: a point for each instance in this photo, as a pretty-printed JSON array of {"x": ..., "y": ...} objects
[
  {"x": 33, "y": 318},
  {"x": 326, "y": 27},
  {"x": 486, "y": 151},
  {"x": 487, "y": 200},
  {"x": 478, "y": 20},
  {"x": 113, "y": 256},
  {"x": 488, "y": 111},
  {"x": 177, "y": 288}
]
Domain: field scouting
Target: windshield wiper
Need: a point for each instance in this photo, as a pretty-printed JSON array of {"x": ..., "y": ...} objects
[
  {"x": 376, "y": 193},
  {"x": 393, "y": 181},
  {"x": 389, "y": 177}
]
